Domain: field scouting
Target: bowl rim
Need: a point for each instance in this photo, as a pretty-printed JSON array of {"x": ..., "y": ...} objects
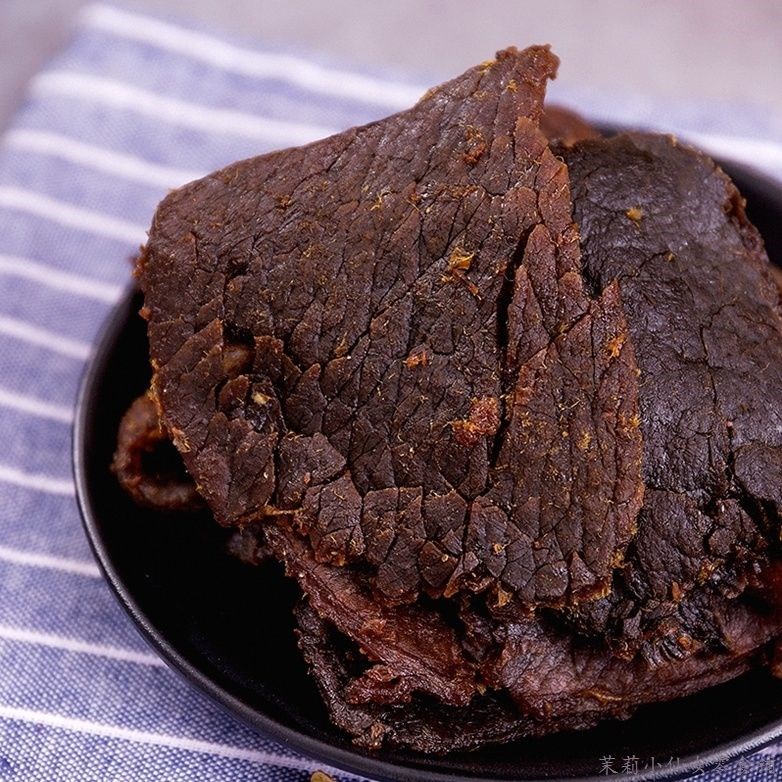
[{"x": 346, "y": 760}]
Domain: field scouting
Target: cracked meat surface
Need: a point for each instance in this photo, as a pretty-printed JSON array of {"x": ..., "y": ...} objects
[
  {"x": 500, "y": 394},
  {"x": 429, "y": 387},
  {"x": 704, "y": 317}
]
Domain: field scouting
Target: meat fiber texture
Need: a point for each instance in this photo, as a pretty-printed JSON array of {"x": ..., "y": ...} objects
[{"x": 506, "y": 406}]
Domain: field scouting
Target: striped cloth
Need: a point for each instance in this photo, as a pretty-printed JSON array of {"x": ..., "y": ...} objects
[{"x": 134, "y": 106}]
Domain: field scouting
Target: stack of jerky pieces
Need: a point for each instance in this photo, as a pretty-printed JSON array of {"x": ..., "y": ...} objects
[{"x": 502, "y": 395}]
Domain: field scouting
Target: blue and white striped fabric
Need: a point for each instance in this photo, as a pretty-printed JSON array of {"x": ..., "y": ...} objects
[{"x": 135, "y": 106}]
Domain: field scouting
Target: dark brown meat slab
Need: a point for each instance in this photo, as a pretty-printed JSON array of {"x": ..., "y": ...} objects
[
  {"x": 704, "y": 317},
  {"x": 558, "y": 684},
  {"x": 421, "y": 724},
  {"x": 385, "y": 360},
  {"x": 412, "y": 643},
  {"x": 430, "y": 387}
]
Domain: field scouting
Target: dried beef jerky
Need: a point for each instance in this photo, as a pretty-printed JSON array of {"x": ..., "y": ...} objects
[
  {"x": 419, "y": 329},
  {"x": 704, "y": 317},
  {"x": 495, "y": 390},
  {"x": 146, "y": 465}
]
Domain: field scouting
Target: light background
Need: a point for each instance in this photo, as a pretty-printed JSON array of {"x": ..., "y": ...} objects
[{"x": 728, "y": 50}]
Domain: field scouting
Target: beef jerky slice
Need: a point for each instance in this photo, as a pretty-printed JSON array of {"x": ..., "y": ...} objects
[
  {"x": 683, "y": 583},
  {"x": 704, "y": 317},
  {"x": 430, "y": 391},
  {"x": 408, "y": 645},
  {"x": 555, "y": 682},
  {"x": 147, "y": 466}
]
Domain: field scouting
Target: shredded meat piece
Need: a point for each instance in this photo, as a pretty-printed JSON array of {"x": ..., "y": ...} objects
[{"x": 146, "y": 465}]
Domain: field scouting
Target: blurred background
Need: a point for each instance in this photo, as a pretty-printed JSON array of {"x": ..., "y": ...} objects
[{"x": 702, "y": 49}]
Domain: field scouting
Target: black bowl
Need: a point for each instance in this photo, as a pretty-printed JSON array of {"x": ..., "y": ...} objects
[{"x": 180, "y": 588}]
